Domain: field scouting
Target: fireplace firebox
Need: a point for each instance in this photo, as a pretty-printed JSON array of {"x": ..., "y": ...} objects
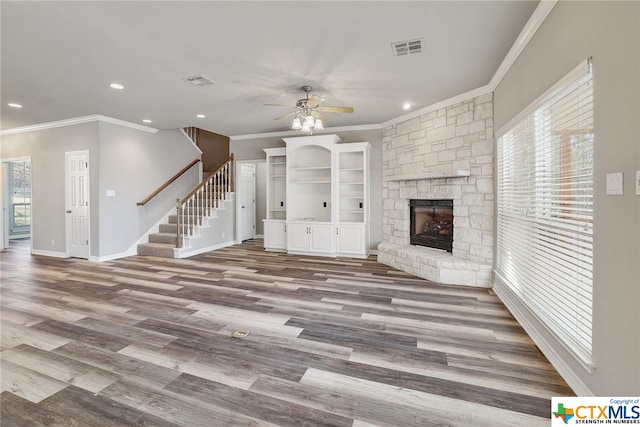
[{"x": 432, "y": 223}]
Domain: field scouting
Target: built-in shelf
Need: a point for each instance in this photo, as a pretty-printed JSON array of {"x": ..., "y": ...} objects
[
  {"x": 310, "y": 168},
  {"x": 323, "y": 181},
  {"x": 462, "y": 173}
]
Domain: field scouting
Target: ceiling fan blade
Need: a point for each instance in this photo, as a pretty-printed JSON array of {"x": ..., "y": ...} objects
[
  {"x": 320, "y": 116},
  {"x": 333, "y": 109},
  {"x": 284, "y": 116},
  {"x": 314, "y": 101}
]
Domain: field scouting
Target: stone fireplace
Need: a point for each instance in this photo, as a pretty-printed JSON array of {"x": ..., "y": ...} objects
[
  {"x": 431, "y": 223},
  {"x": 445, "y": 154}
]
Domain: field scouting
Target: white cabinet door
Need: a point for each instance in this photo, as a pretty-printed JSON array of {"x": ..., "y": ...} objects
[
  {"x": 350, "y": 239},
  {"x": 275, "y": 235},
  {"x": 298, "y": 236},
  {"x": 321, "y": 238}
]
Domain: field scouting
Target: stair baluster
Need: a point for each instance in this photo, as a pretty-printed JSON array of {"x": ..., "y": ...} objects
[{"x": 202, "y": 200}]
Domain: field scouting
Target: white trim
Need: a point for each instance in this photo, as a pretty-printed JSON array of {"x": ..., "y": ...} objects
[
  {"x": 438, "y": 105},
  {"x": 76, "y": 121},
  {"x": 192, "y": 143},
  {"x": 566, "y": 83},
  {"x": 182, "y": 253},
  {"x": 531, "y": 27},
  {"x": 460, "y": 173},
  {"x": 111, "y": 257},
  {"x": 533, "y": 24},
  {"x": 133, "y": 249},
  {"x": 297, "y": 132},
  {"x": 524, "y": 318},
  {"x": 54, "y": 254}
]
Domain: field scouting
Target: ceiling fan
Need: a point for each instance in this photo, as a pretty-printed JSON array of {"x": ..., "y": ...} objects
[{"x": 308, "y": 112}]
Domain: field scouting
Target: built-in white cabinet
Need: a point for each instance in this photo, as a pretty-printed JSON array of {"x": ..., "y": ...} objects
[
  {"x": 275, "y": 235},
  {"x": 326, "y": 184},
  {"x": 310, "y": 237},
  {"x": 275, "y": 229},
  {"x": 351, "y": 239}
]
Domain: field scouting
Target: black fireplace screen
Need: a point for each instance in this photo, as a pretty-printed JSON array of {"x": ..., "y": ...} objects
[{"x": 432, "y": 223}]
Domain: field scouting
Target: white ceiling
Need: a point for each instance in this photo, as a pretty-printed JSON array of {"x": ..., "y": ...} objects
[{"x": 58, "y": 58}]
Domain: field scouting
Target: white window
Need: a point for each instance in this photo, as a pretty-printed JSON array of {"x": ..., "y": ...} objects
[{"x": 545, "y": 209}]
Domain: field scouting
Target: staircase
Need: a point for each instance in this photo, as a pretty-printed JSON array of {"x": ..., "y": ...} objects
[{"x": 193, "y": 217}]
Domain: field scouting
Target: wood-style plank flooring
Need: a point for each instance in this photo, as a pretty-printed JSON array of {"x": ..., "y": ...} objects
[{"x": 332, "y": 342}]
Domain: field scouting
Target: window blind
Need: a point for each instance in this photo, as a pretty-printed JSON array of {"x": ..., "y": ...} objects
[{"x": 545, "y": 209}]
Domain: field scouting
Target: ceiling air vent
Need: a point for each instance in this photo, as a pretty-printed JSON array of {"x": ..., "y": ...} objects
[
  {"x": 199, "y": 81},
  {"x": 407, "y": 47}
]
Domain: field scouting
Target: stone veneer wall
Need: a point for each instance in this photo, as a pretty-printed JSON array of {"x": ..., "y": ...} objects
[{"x": 457, "y": 137}]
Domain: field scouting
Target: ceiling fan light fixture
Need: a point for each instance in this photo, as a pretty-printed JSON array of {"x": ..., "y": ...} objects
[
  {"x": 307, "y": 112},
  {"x": 296, "y": 124},
  {"x": 309, "y": 120}
]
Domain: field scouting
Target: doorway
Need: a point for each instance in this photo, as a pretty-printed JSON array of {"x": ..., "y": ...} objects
[
  {"x": 247, "y": 200},
  {"x": 16, "y": 200}
]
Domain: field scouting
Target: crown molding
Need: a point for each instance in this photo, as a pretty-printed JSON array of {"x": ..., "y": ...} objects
[
  {"x": 433, "y": 107},
  {"x": 76, "y": 121},
  {"x": 533, "y": 24}
]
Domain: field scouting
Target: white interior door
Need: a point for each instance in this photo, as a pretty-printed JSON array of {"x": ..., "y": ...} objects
[
  {"x": 247, "y": 201},
  {"x": 77, "y": 204}
]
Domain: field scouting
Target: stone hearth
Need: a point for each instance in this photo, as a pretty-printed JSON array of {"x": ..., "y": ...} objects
[{"x": 423, "y": 158}]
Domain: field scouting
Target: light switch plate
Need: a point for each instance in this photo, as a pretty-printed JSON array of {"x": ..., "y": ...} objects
[
  {"x": 111, "y": 193},
  {"x": 637, "y": 183},
  {"x": 614, "y": 184}
]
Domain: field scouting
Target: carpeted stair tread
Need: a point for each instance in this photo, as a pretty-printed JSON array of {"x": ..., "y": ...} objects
[{"x": 156, "y": 249}]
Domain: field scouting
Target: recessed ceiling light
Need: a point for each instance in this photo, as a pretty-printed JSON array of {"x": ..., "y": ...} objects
[
  {"x": 147, "y": 121},
  {"x": 200, "y": 116},
  {"x": 406, "y": 106},
  {"x": 116, "y": 86},
  {"x": 14, "y": 105}
]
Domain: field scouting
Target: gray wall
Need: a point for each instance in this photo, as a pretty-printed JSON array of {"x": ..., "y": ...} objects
[
  {"x": 609, "y": 32},
  {"x": 134, "y": 164},
  {"x": 47, "y": 149},
  {"x": 251, "y": 149},
  {"x": 129, "y": 161}
]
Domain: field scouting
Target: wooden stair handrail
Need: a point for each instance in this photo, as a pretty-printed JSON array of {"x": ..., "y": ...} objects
[
  {"x": 204, "y": 181},
  {"x": 166, "y": 184}
]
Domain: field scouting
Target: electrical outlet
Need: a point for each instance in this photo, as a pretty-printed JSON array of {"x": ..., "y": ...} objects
[
  {"x": 637, "y": 183},
  {"x": 223, "y": 234},
  {"x": 53, "y": 242}
]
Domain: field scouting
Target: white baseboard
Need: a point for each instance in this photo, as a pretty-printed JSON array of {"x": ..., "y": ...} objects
[
  {"x": 53, "y": 254},
  {"x": 182, "y": 253},
  {"x": 540, "y": 338},
  {"x": 128, "y": 253}
]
